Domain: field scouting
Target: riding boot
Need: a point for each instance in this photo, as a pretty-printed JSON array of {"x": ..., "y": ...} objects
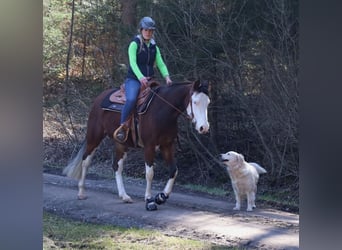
[{"x": 121, "y": 133}]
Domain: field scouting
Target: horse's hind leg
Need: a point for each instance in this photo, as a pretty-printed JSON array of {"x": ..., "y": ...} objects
[
  {"x": 85, "y": 164},
  {"x": 94, "y": 137},
  {"x": 118, "y": 164},
  {"x": 77, "y": 168}
]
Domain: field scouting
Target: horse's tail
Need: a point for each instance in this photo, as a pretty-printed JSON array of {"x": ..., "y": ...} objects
[{"x": 74, "y": 168}]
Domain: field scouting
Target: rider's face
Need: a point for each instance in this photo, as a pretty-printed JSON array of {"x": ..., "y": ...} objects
[{"x": 147, "y": 34}]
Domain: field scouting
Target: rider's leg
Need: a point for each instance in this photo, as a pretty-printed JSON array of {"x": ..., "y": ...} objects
[{"x": 132, "y": 88}]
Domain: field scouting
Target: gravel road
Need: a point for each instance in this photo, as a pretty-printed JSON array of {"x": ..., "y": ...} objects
[{"x": 185, "y": 214}]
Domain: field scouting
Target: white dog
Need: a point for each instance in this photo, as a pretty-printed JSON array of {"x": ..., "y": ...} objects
[{"x": 244, "y": 176}]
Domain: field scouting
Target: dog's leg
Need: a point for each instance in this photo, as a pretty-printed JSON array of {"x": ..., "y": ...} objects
[
  {"x": 250, "y": 201},
  {"x": 253, "y": 200},
  {"x": 238, "y": 200}
]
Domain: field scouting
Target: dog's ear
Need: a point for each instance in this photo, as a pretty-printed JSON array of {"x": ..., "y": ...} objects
[{"x": 241, "y": 159}]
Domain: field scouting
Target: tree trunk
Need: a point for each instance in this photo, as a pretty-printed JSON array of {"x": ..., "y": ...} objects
[
  {"x": 70, "y": 41},
  {"x": 129, "y": 9},
  {"x": 84, "y": 49}
]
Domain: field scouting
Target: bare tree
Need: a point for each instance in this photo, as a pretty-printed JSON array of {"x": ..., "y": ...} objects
[
  {"x": 247, "y": 49},
  {"x": 128, "y": 16},
  {"x": 70, "y": 40}
]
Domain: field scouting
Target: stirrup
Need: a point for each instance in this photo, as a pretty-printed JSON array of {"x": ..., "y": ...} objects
[{"x": 121, "y": 133}]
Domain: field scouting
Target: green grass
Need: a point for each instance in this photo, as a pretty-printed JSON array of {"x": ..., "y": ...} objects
[
  {"x": 61, "y": 233},
  {"x": 282, "y": 198},
  {"x": 212, "y": 191}
]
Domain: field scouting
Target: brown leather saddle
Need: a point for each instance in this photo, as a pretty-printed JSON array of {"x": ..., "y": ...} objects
[{"x": 116, "y": 99}]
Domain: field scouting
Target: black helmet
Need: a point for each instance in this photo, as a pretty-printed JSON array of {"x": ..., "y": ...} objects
[{"x": 147, "y": 23}]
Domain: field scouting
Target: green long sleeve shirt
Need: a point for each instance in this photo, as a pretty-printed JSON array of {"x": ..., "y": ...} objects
[{"x": 132, "y": 55}]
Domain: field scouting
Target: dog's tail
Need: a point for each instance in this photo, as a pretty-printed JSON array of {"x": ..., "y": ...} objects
[{"x": 258, "y": 168}]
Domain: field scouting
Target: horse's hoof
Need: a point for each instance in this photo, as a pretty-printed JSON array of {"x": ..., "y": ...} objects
[
  {"x": 151, "y": 205},
  {"x": 82, "y": 197},
  {"x": 161, "y": 198}
]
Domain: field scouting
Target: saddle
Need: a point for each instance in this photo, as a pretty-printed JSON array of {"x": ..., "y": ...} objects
[{"x": 116, "y": 99}]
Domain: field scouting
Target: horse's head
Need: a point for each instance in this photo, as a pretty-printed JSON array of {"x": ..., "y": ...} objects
[{"x": 198, "y": 106}]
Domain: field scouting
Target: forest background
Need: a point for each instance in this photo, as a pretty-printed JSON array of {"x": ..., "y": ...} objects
[{"x": 248, "y": 50}]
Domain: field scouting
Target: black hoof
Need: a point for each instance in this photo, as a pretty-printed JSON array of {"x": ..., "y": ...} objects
[
  {"x": 151, "y": 205},
  {"x": 161, "y": 198}
]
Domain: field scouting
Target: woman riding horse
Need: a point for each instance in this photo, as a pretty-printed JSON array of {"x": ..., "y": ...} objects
[
  {"x": 157, "y": 130},
  {"x": 143, "y": 53}
]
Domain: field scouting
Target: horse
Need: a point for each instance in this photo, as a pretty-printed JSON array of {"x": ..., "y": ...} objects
[{"x": 157, "y": 128}]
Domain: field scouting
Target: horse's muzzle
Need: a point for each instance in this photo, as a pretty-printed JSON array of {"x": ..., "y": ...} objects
[{"x": 203, "y": 129}]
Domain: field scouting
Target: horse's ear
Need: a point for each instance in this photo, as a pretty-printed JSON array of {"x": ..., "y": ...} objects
[
  {"x": 197, "y": 85},
  {"x": 201, "y": 86}
]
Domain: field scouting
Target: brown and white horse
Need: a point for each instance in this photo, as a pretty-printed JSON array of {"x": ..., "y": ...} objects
[{"x": 157, "y": 129}]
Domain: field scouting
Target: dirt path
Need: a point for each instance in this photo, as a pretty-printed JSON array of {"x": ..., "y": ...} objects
[{"x": 184, "y": 214}]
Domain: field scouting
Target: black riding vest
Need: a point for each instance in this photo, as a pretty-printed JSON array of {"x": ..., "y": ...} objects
[{"x": 146, "y": 57}]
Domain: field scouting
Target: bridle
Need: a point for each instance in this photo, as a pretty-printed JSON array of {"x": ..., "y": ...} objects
[{"x": 190, "y": 117}]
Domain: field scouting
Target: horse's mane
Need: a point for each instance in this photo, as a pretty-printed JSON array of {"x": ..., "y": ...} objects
[
  {"x": 180, "y": 83},
  {"x": 202, "y": 88}
]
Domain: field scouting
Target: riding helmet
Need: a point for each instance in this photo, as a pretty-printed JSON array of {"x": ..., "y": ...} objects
[{"x": 147, "y": 23}]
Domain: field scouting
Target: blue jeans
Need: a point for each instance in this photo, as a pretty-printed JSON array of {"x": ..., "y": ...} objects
[{"x": 132, "y": 89}]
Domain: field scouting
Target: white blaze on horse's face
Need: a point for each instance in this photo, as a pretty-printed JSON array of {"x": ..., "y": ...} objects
[{"x": 198, "y": 110}]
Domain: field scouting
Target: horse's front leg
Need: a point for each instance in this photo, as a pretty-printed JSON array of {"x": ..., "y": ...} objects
[
  {"x": 162, "y": 197},
  {"x": 149, "y": 173},
  {"x": 171, "y": 181},
  {"x": 168, "y": 155},
  {"x": 118, "y": 177}
]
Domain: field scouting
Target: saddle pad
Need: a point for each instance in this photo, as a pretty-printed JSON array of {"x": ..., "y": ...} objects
[{"x": 111, "y": 106}]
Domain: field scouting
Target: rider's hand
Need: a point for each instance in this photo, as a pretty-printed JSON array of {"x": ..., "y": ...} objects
[
  {"x": 168, "y": 80},
  {"x": 144, "y": 81}
]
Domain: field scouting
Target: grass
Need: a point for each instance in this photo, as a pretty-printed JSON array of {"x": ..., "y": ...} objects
[
  {"x": 208, "y": 190},
  {"x": 61, "y": 233},
  {"x": 280, "y": 198},
  {"x": 275, "y": 198},
  {"x": 283, "y": 197}
]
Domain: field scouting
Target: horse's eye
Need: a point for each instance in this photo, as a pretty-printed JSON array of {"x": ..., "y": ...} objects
[{"x": 195, "y": 102}]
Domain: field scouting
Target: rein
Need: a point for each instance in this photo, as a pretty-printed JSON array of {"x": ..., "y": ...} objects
[{"x": 171, "y": 105}]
